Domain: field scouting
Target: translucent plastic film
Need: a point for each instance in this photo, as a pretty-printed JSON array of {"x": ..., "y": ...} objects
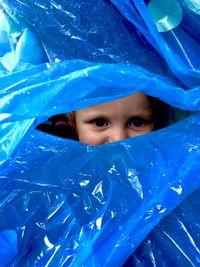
[{"x": 134, "y": 202}]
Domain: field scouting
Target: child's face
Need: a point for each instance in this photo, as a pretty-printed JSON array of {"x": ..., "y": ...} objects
[{"x": 114, "y": 121}]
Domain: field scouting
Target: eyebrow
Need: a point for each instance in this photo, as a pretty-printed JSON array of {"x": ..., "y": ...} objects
[
  {"x": 142, "y": 114},
  {"x": 98, "y": 114}
]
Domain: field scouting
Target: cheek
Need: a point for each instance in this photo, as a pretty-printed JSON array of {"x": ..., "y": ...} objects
[
  {"x": 91, "y": 140},
  {"x": 147, "y": 129},
  {"x": 151, "y": 128},
  {"x": 82, "y": 134},
  {"x": 89, "y": 137}
]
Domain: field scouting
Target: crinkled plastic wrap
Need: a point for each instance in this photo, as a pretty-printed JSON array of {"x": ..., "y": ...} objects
[{"x": 130, "y": 203}]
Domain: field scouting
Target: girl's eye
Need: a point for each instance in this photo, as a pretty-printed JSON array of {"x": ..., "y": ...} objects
[
  {"x": 100, "y": 122},
  {"x": 137, "y": 122}
]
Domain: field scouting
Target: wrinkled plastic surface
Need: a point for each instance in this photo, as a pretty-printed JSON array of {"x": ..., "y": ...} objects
[{"x": 131, "y": 203}]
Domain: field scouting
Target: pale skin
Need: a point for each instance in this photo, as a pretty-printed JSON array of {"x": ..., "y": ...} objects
[{"x": 114, "y": 121}]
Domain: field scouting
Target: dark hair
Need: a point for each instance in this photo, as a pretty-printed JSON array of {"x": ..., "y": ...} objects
[
  {"x": 59, "y": 125},
  {"x": 161, "y": 113}
]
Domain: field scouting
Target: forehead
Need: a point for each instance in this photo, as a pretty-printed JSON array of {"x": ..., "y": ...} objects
[{"x": 136, "y": 103}]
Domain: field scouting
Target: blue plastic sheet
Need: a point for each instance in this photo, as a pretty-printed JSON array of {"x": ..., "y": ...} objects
[{"x": 134, "y": 202}]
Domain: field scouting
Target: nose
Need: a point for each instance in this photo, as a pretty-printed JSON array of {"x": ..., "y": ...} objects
[{"x": 117, "y": 135}]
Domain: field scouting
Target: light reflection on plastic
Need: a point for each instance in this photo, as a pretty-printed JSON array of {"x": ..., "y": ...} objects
[
  {"x": 167, "y": 14},
  {"x": 112, "y": 169},
  {"x": 91, "y": 225},
  {"x": 84, "y": 183},
  {"x": 193, "y": 5},
  {"x": 57, "y": 6},
  {"x": 178, "y": 189},
  {"x": 60, "y": 205},
  {"x": 48, "y": 243},
  {"x": 187, "y": 233},
  {"x": 134, "y": 181},
  {"x": 4, "y": 116},
  {"x": 197, "y": 259},
  {"x": 113, "y": 214},
  {"x": 75, "y": 244},
  {"x": 99, "y": 223},
  {"x": 153, "y": 210},
  {"x": 98, "y": 192},
  {"x": 56, "y": 249},
  {"x": 4, "y": 22},
  {"x": 193, "y": 148},
  {"x": 23, "y": 231}
]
